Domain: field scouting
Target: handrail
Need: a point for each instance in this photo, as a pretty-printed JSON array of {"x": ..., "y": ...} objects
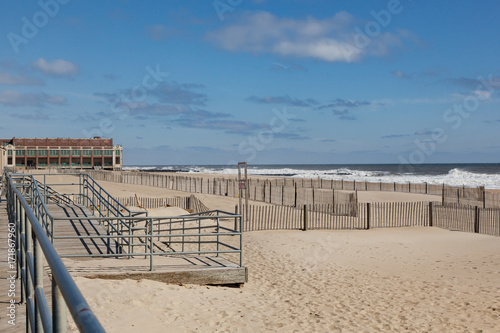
[
  {"x": 29, "y": 253},
  {"x": 53, "y": 193},
  {"x": 93, "y": 186}
]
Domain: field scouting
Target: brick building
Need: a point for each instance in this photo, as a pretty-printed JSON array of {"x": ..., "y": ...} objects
[{"x": 61, "y": 153}]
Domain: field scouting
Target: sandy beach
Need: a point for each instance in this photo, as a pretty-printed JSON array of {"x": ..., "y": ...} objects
[
  {"x": 382, "y": 280},
  {"x": 379, "y": 280}
]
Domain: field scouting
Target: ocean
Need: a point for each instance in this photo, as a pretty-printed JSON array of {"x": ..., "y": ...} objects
[{"x": 487, "y": 175}]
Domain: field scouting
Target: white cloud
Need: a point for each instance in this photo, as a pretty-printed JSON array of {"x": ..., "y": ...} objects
[
  {"x": 339, "y": 38},
  {"x": 15, "y": 98},
  {"x": 17, "y": 80},
  {"x": 58, "y": 67}
]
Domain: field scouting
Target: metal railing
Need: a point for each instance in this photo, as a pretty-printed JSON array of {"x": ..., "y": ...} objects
[
  {"x": 32, "y": 247},
  {"x": 126, "y": 231},
  {"x": 126, "y": 234}
]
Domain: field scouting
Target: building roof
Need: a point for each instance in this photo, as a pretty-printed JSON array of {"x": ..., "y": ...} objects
[{"x": 58, "y": 142}]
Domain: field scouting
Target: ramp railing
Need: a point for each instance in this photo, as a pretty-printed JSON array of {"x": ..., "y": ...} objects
[
  {"x": 32, "y": 247},
  {"x": 130, "y": 233}
]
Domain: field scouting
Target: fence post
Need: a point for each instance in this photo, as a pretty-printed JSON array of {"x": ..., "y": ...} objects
[
  {"x": 476, "y": 219},
  {"x": 484, "y": 198},
  {"x": 442, "y": 196},
  {"x": 305, "y": 218},
  {"x": 368, "y": 215},
  {"x": 430, "y": 214},
  {"x": 295, "y": 201}
]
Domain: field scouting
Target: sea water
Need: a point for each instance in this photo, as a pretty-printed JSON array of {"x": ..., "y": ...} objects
[{"x": 487, "y": 175}]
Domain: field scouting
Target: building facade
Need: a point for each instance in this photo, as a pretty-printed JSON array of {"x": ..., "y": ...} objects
[{"x": 43, "y": 153}]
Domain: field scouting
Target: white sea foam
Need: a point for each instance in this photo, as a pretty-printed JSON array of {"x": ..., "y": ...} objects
[{"x": 454, "y": 177}]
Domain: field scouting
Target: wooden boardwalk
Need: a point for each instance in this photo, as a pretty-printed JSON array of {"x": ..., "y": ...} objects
[
  {"x": 196, "y": 269},
  {"x": 77, "y": 223}
]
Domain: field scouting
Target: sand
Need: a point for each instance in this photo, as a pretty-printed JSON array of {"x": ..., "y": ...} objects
[
  {"x": 378, "y": 280},
  {"x": 407, "y": 279}
]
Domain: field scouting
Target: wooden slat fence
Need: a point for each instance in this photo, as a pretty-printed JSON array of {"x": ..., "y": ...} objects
[
  {"x": 375, "y": 215},
  {"x": 191, "y": 202},
  {"x": 399, "y": 214},
  {"x": 454, "y": 217},
  {"x": 262, "y": 189}
]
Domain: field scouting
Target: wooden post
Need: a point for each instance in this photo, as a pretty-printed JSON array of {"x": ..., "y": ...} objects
[
  {"x": 295, "y": 202},
  {"x": 430, "y": 214},
  {"x": 442, "y": 196},
  {"x": 476, "y": 220},
  {"x": 484, "y": 198},
  {"x": 305, "y": 218},
  {"x": 368, "y": 216}
]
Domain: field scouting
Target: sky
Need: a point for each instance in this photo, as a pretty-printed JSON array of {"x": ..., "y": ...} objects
[{"x": 180, "y": 82}]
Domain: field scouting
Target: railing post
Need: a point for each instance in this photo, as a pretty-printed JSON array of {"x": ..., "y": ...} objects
[
  {"x": 218, "y": 233},
  {"x": 241, "y": 241},
  {"x": 38, "y": 283},
  {"x": 151, "y": 247},
  {"x": 22, "y": 257},
  {"x": 236, "y": 219},
  {"x": 27, "y": 273},
  {"x": 59, "y": 315},
  {"x": 15, "y": 216}
]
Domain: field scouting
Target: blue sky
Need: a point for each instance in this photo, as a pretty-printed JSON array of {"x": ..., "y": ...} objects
[{"x": 267, "y": 82}]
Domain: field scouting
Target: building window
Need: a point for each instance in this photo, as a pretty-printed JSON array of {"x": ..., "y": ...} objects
[
  {"x": 87, "y": 152},
  {"x": 97, "y": 152},
  {"x": 20, "y": 152},
  {"x": 108, "y": 153},
  {"x": 10, "y": 152},
  {"x": 31, "y": 152},
  {"x": 42, "y": 152},
  {"x": 75, "y": 153},
  {"x": 64, "y": 152},
  {"x": 54, "y": 153},
  {"x": 118, "y": 153}
]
